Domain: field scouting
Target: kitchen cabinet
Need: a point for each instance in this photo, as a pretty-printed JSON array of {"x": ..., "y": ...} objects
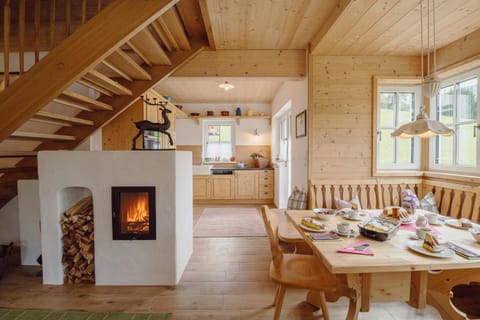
[
  {"x": 246, "y": 183},
  {"x": 223, "y": 187},
  {"x": 265, "y": 184},
  {"x": 201, "y": 187}
]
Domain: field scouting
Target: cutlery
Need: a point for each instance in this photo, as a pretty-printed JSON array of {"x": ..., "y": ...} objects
[{"x": 361, "y": 247}]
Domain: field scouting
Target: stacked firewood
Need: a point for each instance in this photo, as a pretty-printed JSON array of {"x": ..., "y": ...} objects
[{"x": 78, "y": 242}]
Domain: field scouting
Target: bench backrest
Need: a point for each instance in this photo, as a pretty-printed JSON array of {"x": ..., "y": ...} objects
[{"x": 455, "y": 199}]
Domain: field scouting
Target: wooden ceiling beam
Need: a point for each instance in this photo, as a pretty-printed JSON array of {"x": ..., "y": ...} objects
[
  {"x": 246, "y": 63},
  {"x": 77, "y": 54},
  {"x": 325, "y": 33}
]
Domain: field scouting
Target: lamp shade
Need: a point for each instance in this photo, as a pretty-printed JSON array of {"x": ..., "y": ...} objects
[{"x": 422, "y": 127}]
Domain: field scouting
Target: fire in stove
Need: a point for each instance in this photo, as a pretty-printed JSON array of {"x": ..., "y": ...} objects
[{"x": 133, "y": 213}]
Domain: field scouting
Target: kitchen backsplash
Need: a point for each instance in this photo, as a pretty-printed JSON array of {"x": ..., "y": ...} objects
[{"x": 242, "y": 153}]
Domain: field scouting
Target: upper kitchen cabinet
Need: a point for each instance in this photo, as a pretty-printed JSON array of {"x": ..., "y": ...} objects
[{"x": 118, "y": 134}]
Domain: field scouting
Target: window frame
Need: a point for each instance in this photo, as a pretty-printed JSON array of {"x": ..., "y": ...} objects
[
  {"x": 410, "y": 84},
  {"x": 217, "y": 122},
  {"x": 455, "y": 80}
]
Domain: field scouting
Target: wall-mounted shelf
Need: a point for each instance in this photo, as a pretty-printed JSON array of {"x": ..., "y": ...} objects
[
  {"x": 179, "y": 114},
  {"x": 237, "y": 118}
]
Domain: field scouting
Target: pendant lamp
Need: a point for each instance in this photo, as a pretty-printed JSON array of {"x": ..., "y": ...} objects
[{"x": 423, "y": 127}]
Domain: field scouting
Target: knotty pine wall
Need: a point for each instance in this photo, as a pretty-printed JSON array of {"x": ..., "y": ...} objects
[{"x": 341, "y": 110}]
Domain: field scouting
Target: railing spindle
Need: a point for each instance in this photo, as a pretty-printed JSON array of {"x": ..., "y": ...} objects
[
  {"x": 36, "y": 21},
  {"x": 21, "y": 35},
  {"x": 52, "y": 24},
  {"x": 6, "y": 43},
  {"x": 84, "y": 11},
  {"x": 68, "y": 17},
  {"x": 99, "y": 5}
]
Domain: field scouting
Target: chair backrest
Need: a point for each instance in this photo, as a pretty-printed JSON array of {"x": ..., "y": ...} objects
[{"x": 270, "y": 219}]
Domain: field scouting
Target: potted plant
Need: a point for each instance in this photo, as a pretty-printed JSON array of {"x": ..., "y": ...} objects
[{"x": 259, "y": 160}]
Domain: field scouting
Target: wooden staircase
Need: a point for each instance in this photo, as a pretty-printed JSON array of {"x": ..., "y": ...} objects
[{"x": 90, "y": 77}]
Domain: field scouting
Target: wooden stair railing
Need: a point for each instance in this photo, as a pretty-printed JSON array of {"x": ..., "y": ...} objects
[{"x": 69, "y": 111}]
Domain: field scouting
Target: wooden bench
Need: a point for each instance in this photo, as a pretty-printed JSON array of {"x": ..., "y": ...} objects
[
  {"x": 5, "y": 253},
  {"x": 458, "y": 199}
]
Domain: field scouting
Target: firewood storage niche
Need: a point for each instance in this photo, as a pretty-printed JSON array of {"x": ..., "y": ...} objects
[{"x": 133, "y": 213}]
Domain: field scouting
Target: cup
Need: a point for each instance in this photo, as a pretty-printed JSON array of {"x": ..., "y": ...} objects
[
  {"x": 432, "y": 218},
  {"x": 421, "y": 231},
  {"x": 343, "y": 227},
  {"x": 355, "y": 214}
]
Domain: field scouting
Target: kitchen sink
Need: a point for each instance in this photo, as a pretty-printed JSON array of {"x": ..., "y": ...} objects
[{"x": 203, "y": 169}]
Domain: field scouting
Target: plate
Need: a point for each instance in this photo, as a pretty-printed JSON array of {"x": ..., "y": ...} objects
[
  {"x": 407, "y": 221},
  {"x": 438, "y": 223},
  {"x": 416, "y": 245},
  {"x": 345, "y": 234},
  {"x": 311, "y": 229},
  {"x": 455, "y": 223},
  {"x": 347, "y": 216}
]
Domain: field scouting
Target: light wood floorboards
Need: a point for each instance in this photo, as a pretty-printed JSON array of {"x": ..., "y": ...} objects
[{"x": 226, "y": 278}]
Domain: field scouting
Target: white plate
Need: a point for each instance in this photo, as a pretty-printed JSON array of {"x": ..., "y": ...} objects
[
  {"x": 311, "y": 229},
  {"x": 455, "y": 223},
  {"x": 345, "y": 234},
  {"x": 416, "y": 245},
  {"x": 347, "y": 216},
  {"x": 438, "y": 223},
  {"x": 407, "y": 221}
]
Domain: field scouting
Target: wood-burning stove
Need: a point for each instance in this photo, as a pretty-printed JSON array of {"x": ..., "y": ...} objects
[{"x": 133, "y": 213}]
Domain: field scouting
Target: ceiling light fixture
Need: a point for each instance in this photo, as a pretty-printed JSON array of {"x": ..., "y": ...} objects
[
  {"x": 226, "y": 86},
  {"x": 423, "y": 127}
]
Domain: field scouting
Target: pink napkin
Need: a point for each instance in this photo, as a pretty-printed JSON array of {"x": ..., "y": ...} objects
[
  {"x": 413, "y": 227},
  {"x": 357, "y": 248}
]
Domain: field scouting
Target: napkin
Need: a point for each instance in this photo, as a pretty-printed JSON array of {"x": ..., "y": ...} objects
[
  {"x": 359, "y": 247},
  {"x": 462, "y": 252},
  {"x": 324, "y": 236}
]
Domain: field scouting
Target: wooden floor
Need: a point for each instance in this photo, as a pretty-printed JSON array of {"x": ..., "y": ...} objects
[{"x": 226, "y": 278}]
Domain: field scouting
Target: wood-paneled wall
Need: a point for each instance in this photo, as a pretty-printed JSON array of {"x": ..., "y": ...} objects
[{"x": 341, "y": 109}]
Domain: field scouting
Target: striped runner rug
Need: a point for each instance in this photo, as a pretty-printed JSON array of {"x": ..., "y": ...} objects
[{"x": 17, "y": 314}]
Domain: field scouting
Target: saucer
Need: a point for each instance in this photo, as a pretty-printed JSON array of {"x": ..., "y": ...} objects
[
  {"x": 438, "y": 223},
  {"x": 345, "y": 234}
]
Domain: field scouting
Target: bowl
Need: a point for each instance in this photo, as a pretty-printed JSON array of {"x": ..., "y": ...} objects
[
  {"x": 475, "y": 232},
  {"x": 225, "y": 113},
  {"x": 194, "y": 114},
  {"x": 324, "y": 214},
  {"x": 380, "y": 229}
]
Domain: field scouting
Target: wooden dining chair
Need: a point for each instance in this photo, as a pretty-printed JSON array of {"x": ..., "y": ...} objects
[{"x": 295, "y": 270}]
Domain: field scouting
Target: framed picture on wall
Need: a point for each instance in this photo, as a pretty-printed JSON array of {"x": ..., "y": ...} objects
[{"x": 301, "y": 124}]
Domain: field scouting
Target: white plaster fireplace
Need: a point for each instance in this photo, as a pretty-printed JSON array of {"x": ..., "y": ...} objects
[{"x": 120, "y": 262}]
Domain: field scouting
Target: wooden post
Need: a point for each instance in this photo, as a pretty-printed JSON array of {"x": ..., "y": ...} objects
[
  {"x": 6, "y": 43},
  {"x": 52, "y": 24},
  {"x": 21, "y": 35},
  {"x": 68, "y": 17},
  {"x": 36, "y": 22},
  {"x": 84, "y": 11}
]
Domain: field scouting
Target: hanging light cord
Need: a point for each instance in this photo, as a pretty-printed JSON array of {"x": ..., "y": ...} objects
[
  {"x": 421, "y": 40},
  {"x": 434, "y": 42}
]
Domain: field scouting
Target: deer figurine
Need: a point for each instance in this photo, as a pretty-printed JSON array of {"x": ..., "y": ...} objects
[{"x": 154, "y": 126}]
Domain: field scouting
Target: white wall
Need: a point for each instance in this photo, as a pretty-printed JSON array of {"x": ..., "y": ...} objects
[
  {"x": 297, "y": 92},
  {"x": 189, "y": 131},
  {"x": 120, "y": 262},
  {"x": 9, "y": 222},
  {"x": 29, "y": 221}
]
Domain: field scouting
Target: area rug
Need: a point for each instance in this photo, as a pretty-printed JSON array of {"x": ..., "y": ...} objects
[
  {"x": 17, "y": 314},
  {"x": 229, "y": 222}
]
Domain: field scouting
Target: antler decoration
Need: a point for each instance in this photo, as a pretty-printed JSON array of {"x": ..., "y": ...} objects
[{"x": 160, "y": 103}]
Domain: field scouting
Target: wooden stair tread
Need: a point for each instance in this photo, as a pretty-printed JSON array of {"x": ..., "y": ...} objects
[
  {"x": 107, "y": 83},
  {"x": 172, "y": 28},
  {"x": 124, "y": 62},
  {"x": 17, "y": 154},
  {"x": 16, "y": 169},
  {"x": 92, "y": 102},
  {"x": 146, "y": 44},
  {"x": 62, "y": 117},
  {"x": 95, "y": 87},
  {"x": 40, "y": 136},
  {"x": 73, "y": 104}
]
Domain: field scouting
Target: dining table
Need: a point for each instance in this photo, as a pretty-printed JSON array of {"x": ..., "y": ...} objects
[{"x": 397, "y": 269}]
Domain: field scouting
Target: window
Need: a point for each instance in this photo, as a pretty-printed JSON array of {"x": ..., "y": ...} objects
[
  {"x": 396, "y": 105},
  {"x": 284, "y": 135},
  {"x": 457, "y": 107},
  {"x": 219, "y": 140}
]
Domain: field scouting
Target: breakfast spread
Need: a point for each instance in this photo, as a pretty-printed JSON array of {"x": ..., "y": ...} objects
[
  {"x": 431, "y": 243},
  {"x": 312, "y": 223},
  {"x": 379, "y": 225}
]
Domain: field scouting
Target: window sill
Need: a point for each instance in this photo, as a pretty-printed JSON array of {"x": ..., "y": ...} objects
[
  {"x": 453, "y": 177},
  {"x": 398, "y": 173}
]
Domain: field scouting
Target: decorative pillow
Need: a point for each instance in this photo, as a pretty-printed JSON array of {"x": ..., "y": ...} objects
[
  {"x": 297, "y": 200},
  {"x": 409, "y": 201},
  {"x": 428, "y": 203},
  {"x": 344, "y": 204}
]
